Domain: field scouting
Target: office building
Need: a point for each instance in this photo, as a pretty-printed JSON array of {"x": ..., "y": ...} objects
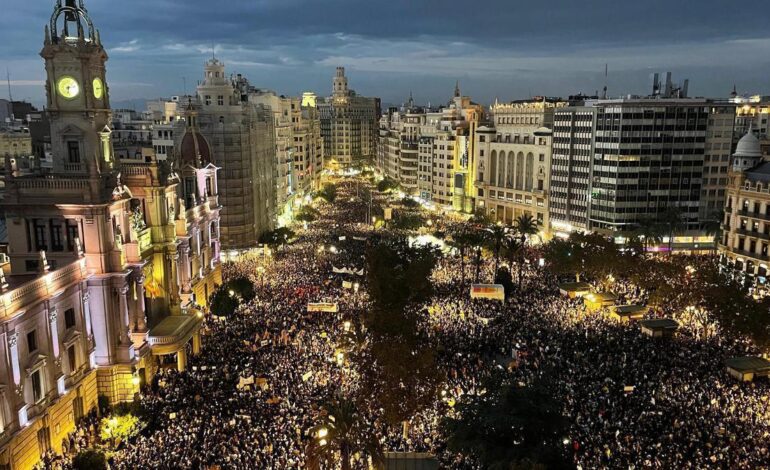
[{"x": 348, "y": 124}]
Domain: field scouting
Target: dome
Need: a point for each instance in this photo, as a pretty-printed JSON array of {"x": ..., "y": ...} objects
[
  {"x": 194, "y": 149},
  {"x": 748, "y": 146}
]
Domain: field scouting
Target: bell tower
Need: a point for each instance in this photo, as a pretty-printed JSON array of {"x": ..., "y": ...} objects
[{"x": 78, "y": 99}]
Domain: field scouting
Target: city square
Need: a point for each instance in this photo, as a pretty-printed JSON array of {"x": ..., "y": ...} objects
[{"x": 235, "y": 278}]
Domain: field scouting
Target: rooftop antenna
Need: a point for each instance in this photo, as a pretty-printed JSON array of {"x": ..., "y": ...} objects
[
  {"x": 8, "y": 78},
  {"x": 606, "y": 73}
]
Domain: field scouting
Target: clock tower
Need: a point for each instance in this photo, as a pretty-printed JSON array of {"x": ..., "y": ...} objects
[{"x": 78, "y": 99}]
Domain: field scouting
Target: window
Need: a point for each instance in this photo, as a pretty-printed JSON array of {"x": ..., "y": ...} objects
[
  {"x": 37, "y": 386},
  {"x": 72, "y": 357},
  {"x": 57, "y": 243},
  {"x": 73, "y": 151},
  {"x": 32, "y": 341},
  {"x": 72, "y": 234},
  {"x": 221, "y": 100},
  {"x": 69, "y": 318},
  {"x": 40, "y": 238},
  {"x": 208, "y": 100}
]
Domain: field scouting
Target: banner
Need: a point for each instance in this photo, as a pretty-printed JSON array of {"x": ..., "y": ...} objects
[
  {"x": 360, "y": 239},
  {"x": 342, "y": 239},
  {"x": 244, "y": 382},
  {"x": 388, "y": 214},
  {"x": 488, "y": 291},
  {"x": 347, "y": 285},
  {"x": 348, "y": 270},
  {"x": 322, "y": 307}
]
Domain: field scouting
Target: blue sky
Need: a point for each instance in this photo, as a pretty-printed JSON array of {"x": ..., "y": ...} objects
[{"x": 497, "y": 48}]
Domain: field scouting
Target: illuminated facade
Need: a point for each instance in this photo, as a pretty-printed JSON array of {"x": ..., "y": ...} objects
[
  {"x": 745, "y": 243},
  {"x": 348, "y": 123},
  {"x": 98, "y": 292},
  {"x": 432, "y": 154},
  {"x": 514, "y": 161},
  {"x": 617, "y": 163}
]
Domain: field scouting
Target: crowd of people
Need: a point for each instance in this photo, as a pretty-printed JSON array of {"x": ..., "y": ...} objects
[{"x": 253, "y": 395}]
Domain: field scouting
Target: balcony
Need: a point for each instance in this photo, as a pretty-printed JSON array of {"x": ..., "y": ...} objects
[
  {"x": 42, "y": 287},
  {"x": 753, "y": 215},
  {"x": 750, "y": 233},
  {"x": 749, "y": 254}
]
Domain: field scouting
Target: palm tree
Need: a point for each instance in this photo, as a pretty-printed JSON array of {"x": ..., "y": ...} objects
[
  {"x": 526, "y": 226},
  {"x": 650, "y": 230},
  {"x": 461, "y": 240},
  {"x": 342, "y": 431},
  {"x": 496, "y": 238},
  {"x": 477, "y": 239},
  {"x": 673, "y": 220},
  {"x": 513, "y": 248},
  {"x": 713, "y": 226}
]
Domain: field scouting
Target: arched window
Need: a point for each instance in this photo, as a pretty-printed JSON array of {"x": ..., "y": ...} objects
[
  {"x": 493, "y": 168},
  {"x": 520, "y": 171},
  {"x": 509, "y": 171},
  {"x": 528, "y": 176}
]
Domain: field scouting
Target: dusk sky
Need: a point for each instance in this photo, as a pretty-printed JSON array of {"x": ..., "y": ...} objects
[{"x": 496, "y": 48}]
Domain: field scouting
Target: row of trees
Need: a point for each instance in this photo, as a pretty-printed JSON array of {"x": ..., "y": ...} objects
[
  {"x": 696, "y": 284},
  {"x": 507, "y": 243}
]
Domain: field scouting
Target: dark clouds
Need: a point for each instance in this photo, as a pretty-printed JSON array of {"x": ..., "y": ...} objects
[{"x": 496, "y": 48}]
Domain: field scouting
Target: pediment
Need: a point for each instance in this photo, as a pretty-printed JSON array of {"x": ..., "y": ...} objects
[
  {"x": 71, "y": 130},
  {"x": 36, "y": 361}
]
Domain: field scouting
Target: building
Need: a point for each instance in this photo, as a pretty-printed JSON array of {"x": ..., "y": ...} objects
[
  {"x": 130, "y": 127},
  {"x": 99, "y": 291},
  {"x": 162, "y": 114},
  {"x": 348, "y": 123},
  {"x": 242, "y": 139},
  {"x": 514, "y": 161},
  {"x": 746, "y": 229},
  {"x": 432, "y": 154},
  {"x": 618, "y": 163}
]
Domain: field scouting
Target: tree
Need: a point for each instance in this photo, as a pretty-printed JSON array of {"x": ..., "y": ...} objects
[
  {"x": 513, "y": 250},
  {"x": 89, "y": 459},
  {"x": 461, "y": 239},
  {"x": 119, "y": 428},
  {"x": 328, "y": 193},
  {"x": 495, "y": 240},
  {"x": 278, "y": 237},
  {"x": 477, "y": 239},
  {"x": 387, "y": 184},
  {"x": 509, "y": 426},
  {"x": 399, "y": 375},
  {"x": 307, "y": 214},
  {"x": 713, "y": 226},
  {"x": 674, "y": 222},
  {"x": 342, "y": 431},
  {"x": 651, "y": 233},
  {"x": 526, "y": 227}
]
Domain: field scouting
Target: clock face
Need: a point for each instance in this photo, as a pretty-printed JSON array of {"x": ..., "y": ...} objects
[
  {"x": 68, "y": 87},
  {"x": 98, "y": 88}
]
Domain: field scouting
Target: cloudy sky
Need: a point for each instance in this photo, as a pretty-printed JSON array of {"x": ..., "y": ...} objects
[{"x": 508, "y": 49}]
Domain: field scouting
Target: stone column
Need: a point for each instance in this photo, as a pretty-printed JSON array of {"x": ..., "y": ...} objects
[
  {"x": 124, "y": 316},
  {"x": 196, "y": 343},
  {"x": 181, "y": 359},
  {"x": 87, "y": 317},
  {"x": 13, "y": 347},
  {"x": 140, "y": 316}
]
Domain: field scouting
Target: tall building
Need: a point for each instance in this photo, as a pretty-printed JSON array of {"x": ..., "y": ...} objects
[
  {"x": 617, "y": 163},
  {"x": 432, "y": 154},
  {"x": 514, "y": 161},
  {"x": 242, "y": 139},
  {"x": 348, "y": 123},
  {"x": 162, "y": 114},
  {"x": 745, "y": 243},
  {"x": 98, "y": 292}
]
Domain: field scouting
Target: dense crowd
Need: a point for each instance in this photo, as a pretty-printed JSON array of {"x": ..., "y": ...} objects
[{"x": 631, "y": 401}]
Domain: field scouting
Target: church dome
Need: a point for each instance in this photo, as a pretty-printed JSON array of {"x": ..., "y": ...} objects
[
  {"x": 748, "y": 146},
  {"x": 194, "y": 149}
]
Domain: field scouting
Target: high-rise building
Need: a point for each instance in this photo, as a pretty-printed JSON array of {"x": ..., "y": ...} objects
[
  {"x": 432, "y": 154},
  {"x": 745, "y": 243},
  {"x": 100, "y": 289},
  {"x": 514, "y": 161},
  {"x": 242, "y": 139},
  {"x": 617, "y": 163},
  {"x": 348, "y": 123}
]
